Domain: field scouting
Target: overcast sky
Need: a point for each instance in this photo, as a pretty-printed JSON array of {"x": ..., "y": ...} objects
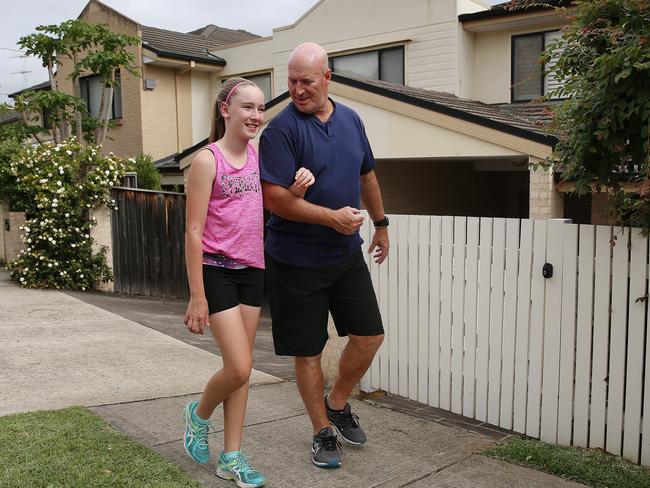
[{"x": 20, "y": 17}]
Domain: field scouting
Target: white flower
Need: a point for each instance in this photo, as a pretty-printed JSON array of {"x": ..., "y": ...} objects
[
  {"x": 49, "y": 265},
  {"x": 67, "y": 215},
  {"x": 22, "y": 279},
  {"x": 69, "y": 153},
  {"x": 49, "y": 175},
  {"x": 81, "y": 276},
  {"x": 59, "y": 183}
]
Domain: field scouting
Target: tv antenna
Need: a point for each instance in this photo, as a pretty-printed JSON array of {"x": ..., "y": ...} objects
[{"x": 24, "y": 71}]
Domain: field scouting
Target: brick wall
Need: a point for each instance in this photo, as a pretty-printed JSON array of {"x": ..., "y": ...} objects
[{"x": 545, "y": 201}]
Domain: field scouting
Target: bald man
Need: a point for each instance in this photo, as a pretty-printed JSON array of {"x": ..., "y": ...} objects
[{"x": 314, "y": 259}]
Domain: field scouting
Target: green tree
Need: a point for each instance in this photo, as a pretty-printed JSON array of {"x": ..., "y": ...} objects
[
  {"x": 148, "y": 175},
  {"x": 93, "y": 49},
  {"x": 603, "y": 126}
]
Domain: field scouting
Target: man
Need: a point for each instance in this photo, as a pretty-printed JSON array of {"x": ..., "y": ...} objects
[{"x": 314, "y": 259}]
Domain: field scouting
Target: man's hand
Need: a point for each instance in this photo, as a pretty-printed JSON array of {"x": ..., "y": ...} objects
[
  {"x": 347, "y": 220},
  {"x": 379, "y": 244}
]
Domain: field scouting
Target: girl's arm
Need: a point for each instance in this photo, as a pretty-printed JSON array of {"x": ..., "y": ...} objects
[{"x": 199, "y": 188}]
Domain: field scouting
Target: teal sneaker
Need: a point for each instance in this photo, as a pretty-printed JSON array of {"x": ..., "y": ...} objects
[
  {"x": 234, "y": 466},
  {"x": 196, "y": 434}
]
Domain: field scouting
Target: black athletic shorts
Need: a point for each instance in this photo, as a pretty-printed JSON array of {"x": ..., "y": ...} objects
[
  {"x": 226, "y": 288},
  {"x": 301, "y": 298}
]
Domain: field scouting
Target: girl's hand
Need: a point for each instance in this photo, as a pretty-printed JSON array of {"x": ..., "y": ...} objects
[
  {"x": 196, "y": 316},
  {"x": 302, "y": 181}
]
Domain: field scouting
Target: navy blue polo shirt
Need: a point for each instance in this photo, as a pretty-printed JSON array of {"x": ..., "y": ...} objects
[{"x": 337, "y": 152}]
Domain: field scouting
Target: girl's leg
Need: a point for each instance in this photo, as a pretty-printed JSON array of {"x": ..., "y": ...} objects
[
  {"x": 234, "y": 406},
  {"x": 230, "y": 332}
]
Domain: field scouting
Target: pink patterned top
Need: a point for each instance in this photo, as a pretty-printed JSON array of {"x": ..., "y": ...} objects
[{"x": 234, "y": 226}]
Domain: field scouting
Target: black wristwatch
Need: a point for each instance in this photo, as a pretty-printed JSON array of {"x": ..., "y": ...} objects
[{"x": 381, "y": 223}]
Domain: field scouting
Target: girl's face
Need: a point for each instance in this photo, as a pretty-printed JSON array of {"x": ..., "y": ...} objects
[{"x": 245, "y": 113}]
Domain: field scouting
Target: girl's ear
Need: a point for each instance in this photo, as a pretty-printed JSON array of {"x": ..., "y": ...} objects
[{"x": 224, "y": 109}]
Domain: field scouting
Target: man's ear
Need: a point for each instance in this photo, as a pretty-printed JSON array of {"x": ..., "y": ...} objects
[{"x": 328, "y": 75}]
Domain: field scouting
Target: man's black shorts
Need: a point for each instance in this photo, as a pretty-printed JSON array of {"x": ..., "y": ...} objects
[
  {"x": 301, "y": 298},
  {"x": 226, "y": 288}
]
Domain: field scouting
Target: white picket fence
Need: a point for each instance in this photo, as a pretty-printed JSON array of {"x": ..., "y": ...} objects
[{"x": 473, "y": 327}]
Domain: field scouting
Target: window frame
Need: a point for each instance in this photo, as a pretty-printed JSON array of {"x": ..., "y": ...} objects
[
  {"x": 378, "y": 50},
  {"x": 87, "y": 97},
  {"x": 542, "y": 76}
]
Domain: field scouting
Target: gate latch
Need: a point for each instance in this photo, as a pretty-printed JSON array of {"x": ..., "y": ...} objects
[{"x": 547, "y": 270}]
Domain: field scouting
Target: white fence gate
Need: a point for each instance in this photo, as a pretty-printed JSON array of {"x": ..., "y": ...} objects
[{"x": 472, "y": 326}]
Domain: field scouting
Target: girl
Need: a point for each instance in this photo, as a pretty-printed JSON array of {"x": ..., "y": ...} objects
[{"x": 225, "y": 268}]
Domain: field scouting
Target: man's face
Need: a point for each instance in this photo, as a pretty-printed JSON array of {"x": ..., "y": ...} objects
[{"x": 308, "y": 83}]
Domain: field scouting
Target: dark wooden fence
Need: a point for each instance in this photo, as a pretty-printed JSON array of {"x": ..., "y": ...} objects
[{"x": 148, "y": 243}]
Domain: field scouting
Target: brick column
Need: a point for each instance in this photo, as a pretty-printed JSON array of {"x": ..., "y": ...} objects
[{"x": 544, "y": 201}]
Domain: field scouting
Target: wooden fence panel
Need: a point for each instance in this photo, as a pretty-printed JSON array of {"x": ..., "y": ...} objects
[{"x": 148, "y": 243}]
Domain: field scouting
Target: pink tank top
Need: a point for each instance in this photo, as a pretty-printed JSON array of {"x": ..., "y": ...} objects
[{"x": 234, "y": 226}]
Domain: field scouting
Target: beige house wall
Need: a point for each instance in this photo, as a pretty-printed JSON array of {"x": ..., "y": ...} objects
[
  {"x": 492, "y": 63},
  {"x": 161, "y": 132},
  {"x": 248, "y": 57},
  {"x": 126, "y": 137},
  {"x": 393, "y": 136},
  {"x": 426, "y": 28},
  {"x": 202, "y": 99}
]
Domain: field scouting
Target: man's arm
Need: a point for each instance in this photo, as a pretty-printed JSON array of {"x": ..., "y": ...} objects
[
  {"x": 371, "y": 198},
  {"x": 285, "y": 204}
]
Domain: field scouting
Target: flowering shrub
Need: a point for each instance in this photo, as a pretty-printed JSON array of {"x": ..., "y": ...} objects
[{"x": 64, "y": 182}]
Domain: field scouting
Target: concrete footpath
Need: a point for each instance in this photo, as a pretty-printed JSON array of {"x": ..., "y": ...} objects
[{"x": 57, "y": 350}]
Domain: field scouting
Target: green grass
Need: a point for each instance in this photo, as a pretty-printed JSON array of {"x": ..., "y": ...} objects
[
  {"x": 588, "y": 466},
  {"x": 75, "y": 448}
]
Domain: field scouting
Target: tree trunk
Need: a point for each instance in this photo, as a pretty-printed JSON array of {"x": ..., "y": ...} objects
[
  {"x": 76, "y": 91},
  {"x": 104, "y": 111},
  {"x": 50, "y": 72},
  {"x": 109, "y": 104}
]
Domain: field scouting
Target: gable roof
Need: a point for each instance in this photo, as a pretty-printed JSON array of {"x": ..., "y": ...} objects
[
  {"x": 46, "y": 85},
  {"x": 507, "y": 10},
  {"x": 470, "y": 110},
  {"x": 179, "y": 45},
  {"x": 220, "y": 36}
]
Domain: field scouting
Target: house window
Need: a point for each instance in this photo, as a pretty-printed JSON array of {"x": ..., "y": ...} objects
[
  {"x": 528, "y": 79},
  {"x": 263, "y": 81},
  {"x": 91, "y": 92},
  {"x": 380, "y": 64}
]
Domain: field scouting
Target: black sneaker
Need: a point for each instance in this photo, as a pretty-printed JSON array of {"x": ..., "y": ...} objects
[
  {"x": 326, "y": 449},
  {"x": 346, "y": 424}
]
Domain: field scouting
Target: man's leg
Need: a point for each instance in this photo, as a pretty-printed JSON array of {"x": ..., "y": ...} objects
[
  {"x": 309, "y": 377},
  {"x": 356, "y": 314},
  {"x": 354, "y": 362}
]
